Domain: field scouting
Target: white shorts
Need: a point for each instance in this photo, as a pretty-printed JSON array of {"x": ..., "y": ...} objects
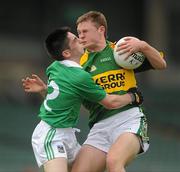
[
  {"x": 49, "y": 143},
  {"x": 105, "y": 132}
]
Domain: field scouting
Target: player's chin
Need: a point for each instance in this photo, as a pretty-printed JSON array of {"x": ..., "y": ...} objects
[
  {"x": 82, "y": 52},
  {"x": 85, "y": 45}
]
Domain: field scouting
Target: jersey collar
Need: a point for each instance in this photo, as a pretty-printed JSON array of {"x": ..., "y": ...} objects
[{"x": 70, "y": 63}]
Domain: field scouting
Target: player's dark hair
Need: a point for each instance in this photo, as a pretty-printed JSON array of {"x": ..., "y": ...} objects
[{"x": 56, "y": 42}]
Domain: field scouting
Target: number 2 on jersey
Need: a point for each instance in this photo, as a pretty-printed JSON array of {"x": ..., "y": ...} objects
[{"x": 52, "y": 95}]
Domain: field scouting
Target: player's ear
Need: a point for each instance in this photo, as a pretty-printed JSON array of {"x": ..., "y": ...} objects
[
  {"x": 102, "y": 29},
  {"x": 66, "y": 53}
]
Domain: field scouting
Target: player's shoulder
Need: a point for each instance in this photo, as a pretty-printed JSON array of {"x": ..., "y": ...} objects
[
  {"x": 111, "y": 44},
  {"x": 51, "y": 66},
  {"x": 81, "y": 75},
  {"x": 84, "y": 58},
  {"x": 81, "y": 72}
]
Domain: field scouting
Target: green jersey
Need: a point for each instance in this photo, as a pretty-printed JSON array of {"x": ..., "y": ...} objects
[
  {"x": 111, "y": 77},
  {"x": 68, "y": 85}
]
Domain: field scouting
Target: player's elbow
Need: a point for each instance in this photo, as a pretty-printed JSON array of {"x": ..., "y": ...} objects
[
  {"x": 110, "y": 106},
  {"x": 161, "y": 66},
  {"x": 164, "y": 65}
]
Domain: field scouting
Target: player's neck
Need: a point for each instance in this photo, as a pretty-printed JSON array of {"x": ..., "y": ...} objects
[
  {"x": 75, "y": 59},
  {"x": 99, "y": 46}
]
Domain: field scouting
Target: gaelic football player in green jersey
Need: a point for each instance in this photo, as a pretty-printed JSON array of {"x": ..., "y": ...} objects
[
  {"x": 53, "y": 140},
  {"x": 116, "y": 136}
]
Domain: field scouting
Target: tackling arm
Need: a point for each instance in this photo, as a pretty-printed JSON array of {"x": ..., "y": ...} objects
[{"x": 112, "y": 101}]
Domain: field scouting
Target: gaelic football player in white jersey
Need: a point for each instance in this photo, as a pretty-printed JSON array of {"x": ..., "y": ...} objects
[{"x": 54, "y": 142}]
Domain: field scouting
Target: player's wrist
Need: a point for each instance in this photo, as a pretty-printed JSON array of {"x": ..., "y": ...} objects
[
  {"x": 144, "y": 46},
  {"x": 136, "y": 96},
  {"x": 132, "y": 97}
]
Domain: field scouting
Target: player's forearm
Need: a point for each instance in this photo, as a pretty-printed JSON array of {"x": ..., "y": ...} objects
[
  {"x": 116, "y": 101},
  {"x": 153, "y": 56}
]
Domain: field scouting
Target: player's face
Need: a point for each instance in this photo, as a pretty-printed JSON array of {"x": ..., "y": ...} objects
[
  {"x": 89, "y": 34},
  {"x": 74, "y": 45}
]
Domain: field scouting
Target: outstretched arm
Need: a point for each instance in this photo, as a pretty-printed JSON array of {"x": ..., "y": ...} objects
[
  {"x": 34, "y": 84},
  {"x": 133, "y": 45},
  {"x": 113, "y": 101}
]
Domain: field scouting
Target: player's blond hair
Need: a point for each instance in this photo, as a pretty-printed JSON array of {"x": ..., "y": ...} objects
[{"x": 96, "y": 17}]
